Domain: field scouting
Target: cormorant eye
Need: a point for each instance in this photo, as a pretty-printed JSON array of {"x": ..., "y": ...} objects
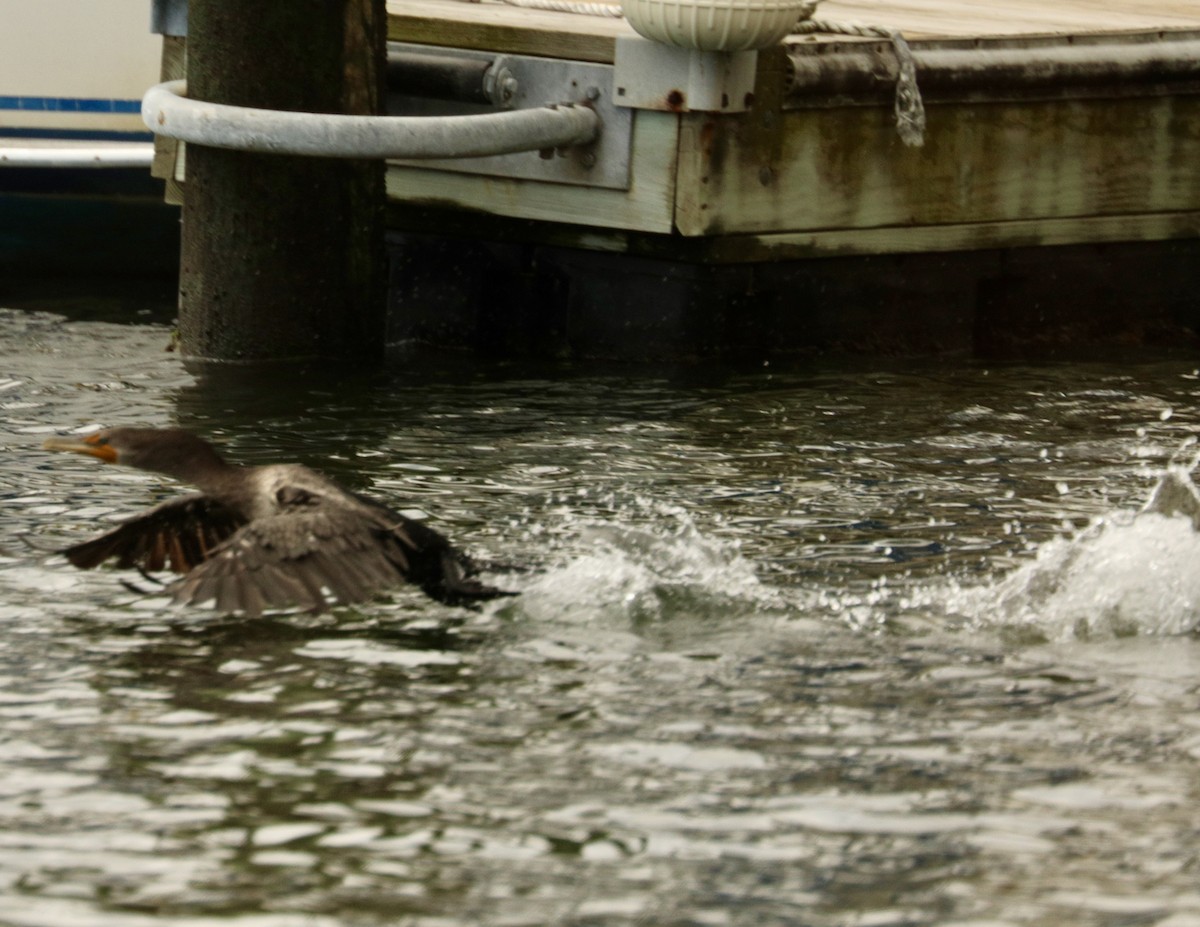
[{"x": 97, "y": 439}]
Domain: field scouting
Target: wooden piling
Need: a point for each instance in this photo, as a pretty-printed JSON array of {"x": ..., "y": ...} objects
[{"x": 283, "y": 256}]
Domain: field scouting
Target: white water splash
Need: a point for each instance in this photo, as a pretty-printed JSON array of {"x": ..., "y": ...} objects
[
  {"x": 1126, "y": 574},
  {"x": 639, "y": 574}
]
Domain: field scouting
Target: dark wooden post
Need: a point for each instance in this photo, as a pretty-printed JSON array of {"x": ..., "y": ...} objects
[{"x": 284, "y": 256}]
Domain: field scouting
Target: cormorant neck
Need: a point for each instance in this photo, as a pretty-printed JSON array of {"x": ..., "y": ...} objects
[{"x": 184, "y": 457}]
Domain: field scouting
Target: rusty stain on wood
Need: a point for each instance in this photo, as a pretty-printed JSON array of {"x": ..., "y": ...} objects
[{"x": 845, "y": 169}]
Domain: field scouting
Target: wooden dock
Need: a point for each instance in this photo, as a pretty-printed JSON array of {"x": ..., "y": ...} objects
[
  {"x": 1071, "y": 123},
  {"x": 496, "y": 26}
]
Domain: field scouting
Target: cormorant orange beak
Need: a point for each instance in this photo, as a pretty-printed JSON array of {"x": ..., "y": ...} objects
[{"x": 94, "y": 445}]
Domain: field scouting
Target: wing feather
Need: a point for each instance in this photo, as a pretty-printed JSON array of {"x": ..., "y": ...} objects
[
  {"x": 316, "y": 551},
  {"x": 179, "y": 532},
  {"x": 308, "y": 557}
]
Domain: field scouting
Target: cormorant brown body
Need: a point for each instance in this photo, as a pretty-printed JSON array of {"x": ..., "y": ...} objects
[{"x": 269, "y": 537}]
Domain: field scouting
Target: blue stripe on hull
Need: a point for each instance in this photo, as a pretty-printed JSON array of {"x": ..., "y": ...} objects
[{"x": 69, "y": 105}]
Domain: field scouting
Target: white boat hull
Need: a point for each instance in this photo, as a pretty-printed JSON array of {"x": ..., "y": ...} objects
[{"x": 75, "y": 69}]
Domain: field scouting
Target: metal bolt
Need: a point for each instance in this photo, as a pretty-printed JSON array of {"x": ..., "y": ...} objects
[{"x": 499, "y": 83}]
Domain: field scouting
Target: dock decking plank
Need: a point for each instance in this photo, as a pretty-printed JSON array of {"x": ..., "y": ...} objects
[
  {"x": 961, "y": 18},
  {"x": 499, "y": 27},
  {"x": 502, "y": 28}
]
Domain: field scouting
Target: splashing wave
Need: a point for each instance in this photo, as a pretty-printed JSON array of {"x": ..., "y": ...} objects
[
  {"x": 1125, "y": 574},
  {"x": 638, "y": 574}
]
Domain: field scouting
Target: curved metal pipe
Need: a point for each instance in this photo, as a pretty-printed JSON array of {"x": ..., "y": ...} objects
[
  {"x": 447, "y": 77},
  {"x": 166, "y": 110}
]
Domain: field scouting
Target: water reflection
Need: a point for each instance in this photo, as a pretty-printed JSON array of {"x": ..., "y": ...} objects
[{"x": 798, "y": 649}]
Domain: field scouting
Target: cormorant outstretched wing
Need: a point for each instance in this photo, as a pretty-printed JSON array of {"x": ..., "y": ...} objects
[
  {"x": 321, "y": 555},
  {"x": 180, "y": 534}
]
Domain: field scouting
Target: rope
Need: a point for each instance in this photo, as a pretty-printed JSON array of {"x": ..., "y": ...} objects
[{"x": 908, "y": 105}]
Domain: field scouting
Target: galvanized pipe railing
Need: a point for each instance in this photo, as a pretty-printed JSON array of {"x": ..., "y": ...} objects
[
  {"x": 485, "y": 81},
  {"x": 166, "y": 110}
]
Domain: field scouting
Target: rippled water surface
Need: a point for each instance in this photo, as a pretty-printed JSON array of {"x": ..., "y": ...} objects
[{"x": 850, "y": 645}]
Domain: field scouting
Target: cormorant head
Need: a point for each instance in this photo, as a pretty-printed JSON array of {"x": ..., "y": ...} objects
[{"x": 171, "y": 451}]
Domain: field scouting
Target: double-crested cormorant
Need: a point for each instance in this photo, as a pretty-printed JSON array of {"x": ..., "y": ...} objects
[{"x": 269, "y": 537}]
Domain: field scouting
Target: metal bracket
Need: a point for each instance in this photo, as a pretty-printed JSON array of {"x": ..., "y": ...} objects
[
  {"x": 535, "y": 82},
  {"x": 653, "y": 76}
]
